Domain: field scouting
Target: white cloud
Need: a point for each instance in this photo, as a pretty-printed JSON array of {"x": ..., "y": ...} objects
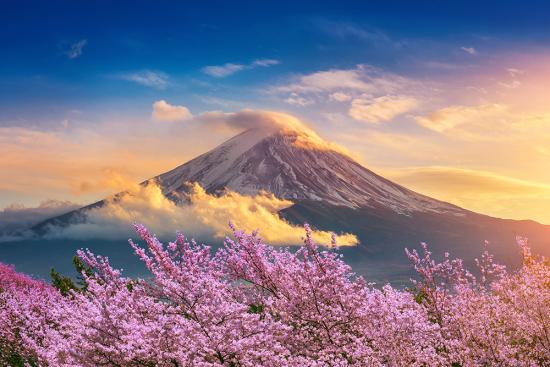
[
  {"x": 227, "y": 69},
  {"x": 163, "y": 111},
  {"x": 148, "y": 78},
  {"x": 265, "y": 62},
  {"x": 295, "y": 99},
  {"x": 223, "y": 70},
  {"x": 372, "y": 95},
  {"x": 75, "y": 49},
  {"x": 329, "y": 80},
  {"x": 380, "y": 109},
  {"x": 340, "y": 97},
  {"x": 470, "y": 50},
  {"x": 515, "y": 72},
  {"x": 344, "y": 85},
  {"x": 512, "y": 85}
]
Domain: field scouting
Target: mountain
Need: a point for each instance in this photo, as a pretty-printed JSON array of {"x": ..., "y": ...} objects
[
  {"x": 281, "y": 163},
  {"x": 331, "y": 191}
]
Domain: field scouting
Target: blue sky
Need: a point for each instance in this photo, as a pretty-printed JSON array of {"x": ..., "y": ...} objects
[
  {"x": 448, "y": 98},
  {"x": 180, "y": 38}
]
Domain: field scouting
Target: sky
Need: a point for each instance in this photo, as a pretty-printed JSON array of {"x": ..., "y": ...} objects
[{"x": 449, "y": 98}]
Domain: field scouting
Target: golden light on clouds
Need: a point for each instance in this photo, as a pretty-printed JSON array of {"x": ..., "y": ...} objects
[
  {"x": 83, "y": 165},
  {"x": 460, "y": 119},
  {"x": 163, "y": 111},
  {"x": 204, "y": 216},
  {"x": 479, "y": 191},
  {"x": 80, "y": 164}
]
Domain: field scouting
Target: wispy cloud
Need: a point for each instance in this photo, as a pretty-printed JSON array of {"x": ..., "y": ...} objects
[
  {"x": 17, "y": 216},
  {"x": 227, "y": 69},
  {"x": 328, "y": 81},
  {"x": 265, "y": 62},
  {"x": 222, "y": 71},
  {"x": 75, "y": 49},
  {"x": 470, "y": 50},
  {"x": 515, "y": 72},
  {"x": 295, "y": 99},
  {"x": 472, "y": 182},
  {"x": 148, "y": 78},
  {"x": 511, "y": 85},
  {"x": 340, "y": 97},
  {"x": 381, "y": 109},
  {"x": 344, "y": 30},
  {"x": 481, "y": 191},
  {"x": 493, "y": 121},
  {"x": 454, "y": 119}
]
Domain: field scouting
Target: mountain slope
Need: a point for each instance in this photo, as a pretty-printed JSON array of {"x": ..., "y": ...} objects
[
  {"x": 282, "y": 163},
  {"x": 331, "y": 191}
]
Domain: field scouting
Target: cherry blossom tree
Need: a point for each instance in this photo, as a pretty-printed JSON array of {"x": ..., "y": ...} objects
[{"x": 251, "y": 304}]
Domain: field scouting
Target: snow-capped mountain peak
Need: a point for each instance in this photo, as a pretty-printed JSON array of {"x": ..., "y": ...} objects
[{"x": 298, "y": 165}]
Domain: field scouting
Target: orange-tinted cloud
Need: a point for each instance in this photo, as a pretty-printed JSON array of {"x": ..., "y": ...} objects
[
  {"x": 86, "y": 162},
  {"x": 165, "y": 112},
  {"x": 206, "y": 216},
  {"x": 480, "y": 191},
  {"x": 464, "y": 118},
  {"x": 78, "y": 163}
]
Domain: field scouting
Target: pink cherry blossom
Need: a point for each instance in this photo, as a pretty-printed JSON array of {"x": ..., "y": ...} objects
[{"x": 251, "y": 304}]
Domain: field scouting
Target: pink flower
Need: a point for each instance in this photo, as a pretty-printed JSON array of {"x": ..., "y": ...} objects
[{"x": 250, "y": 304}]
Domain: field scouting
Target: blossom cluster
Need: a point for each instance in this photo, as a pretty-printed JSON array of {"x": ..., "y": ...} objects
[{"x": 250, "y": 304}]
